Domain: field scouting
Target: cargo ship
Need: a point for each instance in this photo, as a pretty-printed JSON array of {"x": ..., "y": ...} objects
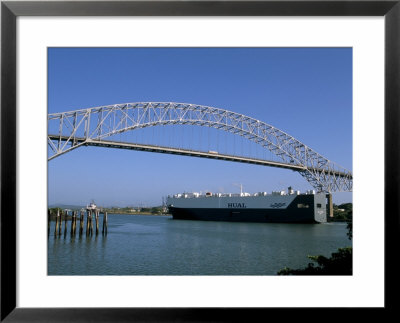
[{"x": 277, "y": 207}]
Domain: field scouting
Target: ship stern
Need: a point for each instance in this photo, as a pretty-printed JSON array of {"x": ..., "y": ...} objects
[{"x": 320, "y": 214}]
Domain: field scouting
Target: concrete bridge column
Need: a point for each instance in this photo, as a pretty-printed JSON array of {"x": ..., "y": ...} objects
[{"x": 329, "y": 206}]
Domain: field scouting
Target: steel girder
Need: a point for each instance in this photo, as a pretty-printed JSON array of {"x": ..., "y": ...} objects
[{"x": 69, "y": 130}]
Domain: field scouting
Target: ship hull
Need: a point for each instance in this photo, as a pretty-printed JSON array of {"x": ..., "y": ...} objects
[
  {"x": 290, "y": 214},
  {"x": 247, "y": 215}
]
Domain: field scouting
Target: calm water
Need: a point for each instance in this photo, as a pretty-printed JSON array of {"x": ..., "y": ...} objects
[{"x": 158, "y": 245}]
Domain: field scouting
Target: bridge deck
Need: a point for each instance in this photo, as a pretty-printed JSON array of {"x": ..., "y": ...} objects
[
  {"x": 193, "y": 153},
  {"x": 179, "y": 151}
]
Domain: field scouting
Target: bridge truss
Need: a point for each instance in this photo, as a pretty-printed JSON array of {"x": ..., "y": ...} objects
[{"x": 94, "y": 126}]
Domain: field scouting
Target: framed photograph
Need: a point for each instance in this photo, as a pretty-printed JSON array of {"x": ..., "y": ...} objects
[{"x": 125, "y": 125}]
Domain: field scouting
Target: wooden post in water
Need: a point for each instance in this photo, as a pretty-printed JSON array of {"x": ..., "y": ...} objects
[
  {"x": 91, "y": 223},
  {"x": 65, "y": 223},
  {"x": 73, "y": 223},
  {"x": 74, "y": 220},
  {"x": 56, "y": 225},
  {"x": 81, "y": 220},
  {"x": 60, "y": 223},
  {"x": 97, "y": 222},
  {"x": 76, "y": 215},
  {"x": 48, "y": 222},
  {"x": 87, "y": 222},
  {"x": 105, "y": 223}
]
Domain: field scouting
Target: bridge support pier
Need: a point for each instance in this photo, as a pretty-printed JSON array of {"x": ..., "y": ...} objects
[{"x": 329, "y": 206}]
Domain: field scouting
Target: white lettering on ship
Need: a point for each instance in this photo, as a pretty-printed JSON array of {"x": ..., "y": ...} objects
[{"x": 277, "y": 205}]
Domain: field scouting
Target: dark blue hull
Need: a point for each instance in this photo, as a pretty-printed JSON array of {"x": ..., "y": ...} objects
[{"x": 245, "y": 215}]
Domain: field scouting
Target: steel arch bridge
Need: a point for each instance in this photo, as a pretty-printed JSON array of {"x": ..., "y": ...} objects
[{"x": 92, "y": 127}]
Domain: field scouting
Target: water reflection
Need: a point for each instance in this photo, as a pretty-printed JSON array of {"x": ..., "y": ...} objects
[{"x": 155, "y": 245}]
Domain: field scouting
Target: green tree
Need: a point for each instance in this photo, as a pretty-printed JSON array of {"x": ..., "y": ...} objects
[{"x": 340, "y": 263}]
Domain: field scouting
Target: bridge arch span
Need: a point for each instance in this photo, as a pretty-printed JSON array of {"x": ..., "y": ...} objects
[{"x": 69, "y": 130}]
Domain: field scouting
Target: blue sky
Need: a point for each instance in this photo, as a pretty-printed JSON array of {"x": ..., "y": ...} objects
[{"x": 305, "y": 92}]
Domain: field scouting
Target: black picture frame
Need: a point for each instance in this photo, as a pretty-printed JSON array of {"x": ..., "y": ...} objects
[{"x": 10, "y": 10}]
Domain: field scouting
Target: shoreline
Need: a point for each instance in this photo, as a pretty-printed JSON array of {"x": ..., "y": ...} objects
[{"x": 53, "y": 217}]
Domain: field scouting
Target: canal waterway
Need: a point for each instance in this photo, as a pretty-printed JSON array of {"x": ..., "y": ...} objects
[{"x": 159, "y": 245}]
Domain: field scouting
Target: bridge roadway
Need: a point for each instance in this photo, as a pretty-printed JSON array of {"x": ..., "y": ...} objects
[{"x": 179, "y": 151}]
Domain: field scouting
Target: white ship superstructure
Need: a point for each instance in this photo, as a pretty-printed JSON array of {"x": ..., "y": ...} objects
[{"x": 91, "y": 206}]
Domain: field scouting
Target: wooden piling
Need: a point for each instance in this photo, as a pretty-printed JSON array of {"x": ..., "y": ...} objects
[
  {"x": 81, "y": 220},
  {"x": 87, "y": 222},
  {"x": 60, "y": 224},
  {"x": 76, "y": 215},
  {"x": 57, "y": 223},
  {"x": 73, "y": 223},
  {"x": 65, "y": 223},
  {"x": 48, "y": 222},
  {"x": 91, "y": 223},
  {"x": 97, "y": 222},
  {"x": 104, "y": 223}
]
